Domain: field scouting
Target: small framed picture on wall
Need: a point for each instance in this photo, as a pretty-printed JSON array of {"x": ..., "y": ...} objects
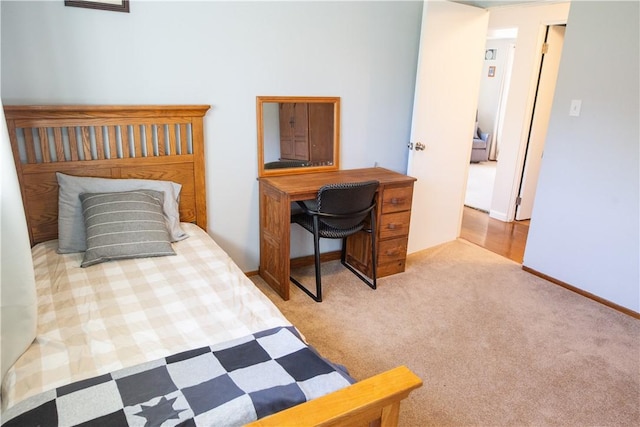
[
  {"x": 492, "y": 71},
  {"x": 115, "y": 5}
]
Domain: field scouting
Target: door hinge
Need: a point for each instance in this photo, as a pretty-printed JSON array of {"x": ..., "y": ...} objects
[
  {"x": 518, "y": 201},
  {"x": 545, "y": 48}
]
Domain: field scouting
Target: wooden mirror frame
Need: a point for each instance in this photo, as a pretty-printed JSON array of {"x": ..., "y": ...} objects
[{"x": 261, "y": 100}]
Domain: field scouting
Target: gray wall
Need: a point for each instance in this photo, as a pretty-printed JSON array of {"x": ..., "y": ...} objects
[
  {"x": 584, "y": 228},
  {"x": 225, "y": 54}
]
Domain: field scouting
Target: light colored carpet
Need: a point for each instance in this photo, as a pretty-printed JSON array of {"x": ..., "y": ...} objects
[
  {"x": 480, "y": 185},
  {"x": 494, "y": 345}
]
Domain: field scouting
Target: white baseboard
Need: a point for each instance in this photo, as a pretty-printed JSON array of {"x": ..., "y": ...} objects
[{"x": 498, "y": 215}]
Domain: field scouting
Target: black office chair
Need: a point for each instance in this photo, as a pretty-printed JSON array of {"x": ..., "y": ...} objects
[{"x": 339, "y": 211}]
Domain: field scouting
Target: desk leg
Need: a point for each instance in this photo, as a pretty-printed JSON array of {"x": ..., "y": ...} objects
[{"x": 275, "y": 238}]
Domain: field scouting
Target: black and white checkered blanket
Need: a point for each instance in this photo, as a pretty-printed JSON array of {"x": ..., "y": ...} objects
[{"x": 224, "y": 385}]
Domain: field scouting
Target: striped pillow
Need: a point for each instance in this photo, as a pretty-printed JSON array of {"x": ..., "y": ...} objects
[{"x": 124, "y": 225}]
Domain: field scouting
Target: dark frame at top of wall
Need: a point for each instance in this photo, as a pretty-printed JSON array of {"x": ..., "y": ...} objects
[{"x": 121, "y": 6}]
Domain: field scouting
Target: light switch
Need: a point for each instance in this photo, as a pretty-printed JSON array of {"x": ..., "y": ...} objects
[{"x": 574, "y": 110}]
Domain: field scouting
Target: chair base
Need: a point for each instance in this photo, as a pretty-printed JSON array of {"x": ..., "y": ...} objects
[
  {"x": 317, "y": 297},
  {"x": 372, "y": 284}
]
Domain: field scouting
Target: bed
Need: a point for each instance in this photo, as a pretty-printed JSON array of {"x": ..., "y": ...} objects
[{"x": 171, "y": 328}]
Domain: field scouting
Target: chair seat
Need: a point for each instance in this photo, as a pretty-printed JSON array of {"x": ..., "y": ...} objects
[{"x": 324, "y": 230}]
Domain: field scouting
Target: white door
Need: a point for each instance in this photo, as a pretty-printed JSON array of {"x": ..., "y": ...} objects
[
  {"x": 540, "y": 120},
  {"x": 444, "y": 110}
]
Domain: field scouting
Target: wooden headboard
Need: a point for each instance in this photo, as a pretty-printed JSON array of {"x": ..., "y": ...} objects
[{"x": 164, "y": 142}]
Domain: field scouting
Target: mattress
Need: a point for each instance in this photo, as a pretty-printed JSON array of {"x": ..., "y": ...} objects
[{"x": 114, "y": 315}]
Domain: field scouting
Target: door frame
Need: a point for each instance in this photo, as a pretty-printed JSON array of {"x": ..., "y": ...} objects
[{"x": 535, "y": 146}]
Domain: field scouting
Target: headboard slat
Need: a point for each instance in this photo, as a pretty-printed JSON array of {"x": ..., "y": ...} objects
[
  {"x": 99, "y": 137},
  {"x": 173, "y": 149},
  {"x": 58, "y": 143},
  {"x": 183, "y": 138},
  {"x": 162, "y": 148},
  {"x": 105, "y": 141},
  {"x": 148, "y": 140},
  {"x": 113, "y": 142},
  {"x": 44, "y": 145},
  {"x": 73, "y": 144},
  {"x": 30, "y": 148},
  {"x": 86, "y": 141}
]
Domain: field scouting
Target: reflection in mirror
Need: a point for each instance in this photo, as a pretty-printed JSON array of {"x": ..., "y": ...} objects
[{"x": 297, "y": 134}]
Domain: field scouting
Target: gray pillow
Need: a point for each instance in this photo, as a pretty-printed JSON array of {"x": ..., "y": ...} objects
[
  {"x": 124, "y": 225},
  {"x": 71, "y": 233}
]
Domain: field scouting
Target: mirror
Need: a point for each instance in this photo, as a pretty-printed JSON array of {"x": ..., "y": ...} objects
[{"x": 297, "y": 134}]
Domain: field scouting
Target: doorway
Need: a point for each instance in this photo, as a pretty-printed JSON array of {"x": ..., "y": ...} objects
[
  {"x": 495, "y": 82},
  {"x": 488, "y": 231},
  {"x": 447, "y": 86}
]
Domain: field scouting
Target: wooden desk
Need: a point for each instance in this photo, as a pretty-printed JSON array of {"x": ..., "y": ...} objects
[{"x": 393, "y": 211}]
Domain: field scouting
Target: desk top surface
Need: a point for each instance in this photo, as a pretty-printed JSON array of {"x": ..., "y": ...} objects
[{"x": 311, "y": 182}]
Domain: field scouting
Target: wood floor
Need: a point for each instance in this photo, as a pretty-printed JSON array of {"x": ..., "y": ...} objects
[{"x": 505, "y": 238}]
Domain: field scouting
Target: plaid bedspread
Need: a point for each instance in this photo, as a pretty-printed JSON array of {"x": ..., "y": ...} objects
[
  {"x": 227, "y": 384},
  {"x": 92, "y": 321}
]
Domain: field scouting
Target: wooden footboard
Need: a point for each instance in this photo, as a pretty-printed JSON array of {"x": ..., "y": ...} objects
[{"x": 374, "y": 401}]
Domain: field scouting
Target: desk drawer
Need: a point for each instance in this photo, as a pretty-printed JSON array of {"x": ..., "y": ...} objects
[
  {"x": 396, "y": 199},
  {"x": 390, "y": 268},
  {"x": 392, "y": 256},
  {"x": 392, "y": 250},
  {"x": 395, "y": 225}
]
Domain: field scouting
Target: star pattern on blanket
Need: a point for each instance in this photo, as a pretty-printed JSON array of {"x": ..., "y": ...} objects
[{"x": 160, "y": 412}]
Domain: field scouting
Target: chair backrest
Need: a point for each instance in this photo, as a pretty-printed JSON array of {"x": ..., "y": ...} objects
[{"x": 349, "y": 202}]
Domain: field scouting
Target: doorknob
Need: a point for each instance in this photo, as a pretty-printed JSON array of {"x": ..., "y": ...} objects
[{"x": 420, "y": 146}]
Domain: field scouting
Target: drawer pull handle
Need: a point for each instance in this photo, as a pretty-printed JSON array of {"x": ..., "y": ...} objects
[
  {"x": 391, "y": 226},
  {"x": 394, "y": 201}
]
